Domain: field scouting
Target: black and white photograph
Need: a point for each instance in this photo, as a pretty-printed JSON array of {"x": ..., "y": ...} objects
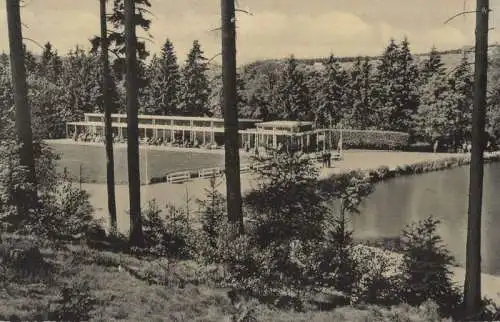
[{"x": 250, "y": 160}]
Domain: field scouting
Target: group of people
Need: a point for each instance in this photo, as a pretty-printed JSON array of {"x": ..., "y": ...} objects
[
  {"x": 159, "y": 141},
  {"x": 326, "y": 159}
]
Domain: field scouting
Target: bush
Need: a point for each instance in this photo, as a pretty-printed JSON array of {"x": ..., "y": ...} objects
[
  {"x": 371, "y": 139},
  {"x": 21, "y": 260},
  {"x": 75, "y": 303},
  {"x": 167, "y": 233},
  {"x": 65, "y": 214},
  {"x": 378, "y": 276},
  {"x": 426, "y": 267}
]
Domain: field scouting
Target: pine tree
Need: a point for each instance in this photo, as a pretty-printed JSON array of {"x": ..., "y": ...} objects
[
  {"x": 432, "y": 66},
  {"x": 195, "y": 90},
  {"x": 260, "y": 88},
  {"x": 292, "y": 97},
  {"x": 81, "y": 81},
  {"x": 216, "y": 98},
  {"x": 359, "y": 93},
  {"x": 436, "y": 111},
  {"x": 331, "y": 101},
  {"x": 396, "y": 91},
  {"x": 446, "y": 106},
  {"x": 136, "y": 236},
  {"x": 50, "y": 63},
  {"x": 26, "y": 195},
  {"x": 462, "y": 86},
  {"x": 116, "y": 36},
  {"x": 162, "y": 91},
  {"x": 493, "y": 115}
]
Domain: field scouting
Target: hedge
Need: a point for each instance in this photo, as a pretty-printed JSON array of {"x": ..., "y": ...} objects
[
  {"x": 372, "y": 139},
  {"x": 383, "y": 173}
]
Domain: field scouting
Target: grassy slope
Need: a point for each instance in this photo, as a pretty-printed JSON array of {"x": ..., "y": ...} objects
[{"x": 183, "y": 295}]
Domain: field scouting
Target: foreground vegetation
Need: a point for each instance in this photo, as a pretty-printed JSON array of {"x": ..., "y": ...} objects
[
  {"x": 85, "y": 284},
  {"x": 296, "y": 260}
]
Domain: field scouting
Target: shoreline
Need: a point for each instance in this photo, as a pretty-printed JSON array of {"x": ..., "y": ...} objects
[{"x": 384, "y": 165}]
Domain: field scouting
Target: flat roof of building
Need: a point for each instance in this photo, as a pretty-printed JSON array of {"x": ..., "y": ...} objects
[
  {"x": 286, "y": 124},
  {"x": 174, "y": 117}
]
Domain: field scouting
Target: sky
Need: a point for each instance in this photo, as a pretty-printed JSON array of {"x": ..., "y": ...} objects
[{"x": 276, "y": 28}]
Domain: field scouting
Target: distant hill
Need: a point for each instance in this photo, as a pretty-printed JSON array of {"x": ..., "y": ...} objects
[{"x": 450, "y": 58}]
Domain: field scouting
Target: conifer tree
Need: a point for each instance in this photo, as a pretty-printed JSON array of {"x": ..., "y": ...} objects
[
  {"x": 116, "y": 36},
  {"x": 433, "y": 65},
  {"x": 162, "y": 90},
  {"x": 396, "y": 88},
  {"x": 446, "y": 106},
  {"x": 332, "y": 99},
  {"x": 359, "y": 93},
  {"x": 195, "y": 90},
  {"x": 50, "y": 63},
  {"x": 462, "y": 86},
  {"x": 216, "y": 98},
  {"x": 292, "y": 97}
]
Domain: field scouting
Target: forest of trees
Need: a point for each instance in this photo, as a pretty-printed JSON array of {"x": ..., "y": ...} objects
[{"x": 396, "y": 92}]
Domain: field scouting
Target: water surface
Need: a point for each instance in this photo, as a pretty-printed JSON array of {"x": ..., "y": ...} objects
[{"x": 443, "y": 194}]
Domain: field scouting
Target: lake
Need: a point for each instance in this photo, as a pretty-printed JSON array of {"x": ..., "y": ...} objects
[{"x": 443, "y": 194}]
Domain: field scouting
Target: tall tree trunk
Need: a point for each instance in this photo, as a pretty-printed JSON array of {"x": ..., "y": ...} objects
[
  {"x": 231, "y": 137},
  {"x": 26, "y": 199},
  {"x": 108, "y": 106},
  {"x": 134, "y": 183},
  {"x": 472, "y": 285}
]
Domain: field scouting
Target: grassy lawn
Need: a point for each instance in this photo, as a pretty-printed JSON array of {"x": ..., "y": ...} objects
[{"x": 92, "y": 160}]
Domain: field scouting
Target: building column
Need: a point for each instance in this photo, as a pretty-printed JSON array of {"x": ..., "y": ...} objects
[
  {"x": 204, "y": 138},
  {"x": 275, "y": 140}
]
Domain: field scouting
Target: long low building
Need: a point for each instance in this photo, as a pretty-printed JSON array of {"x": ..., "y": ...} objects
[{"x": 208, "y": 132}]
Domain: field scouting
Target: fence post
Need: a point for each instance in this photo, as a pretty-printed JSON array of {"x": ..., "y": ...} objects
[{"x": 80, "y": 177}]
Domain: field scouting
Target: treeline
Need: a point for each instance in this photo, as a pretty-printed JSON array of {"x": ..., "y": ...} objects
[{"x": 395, "y": 92}]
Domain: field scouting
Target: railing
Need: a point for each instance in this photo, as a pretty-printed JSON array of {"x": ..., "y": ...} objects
[
  {"x": 178, "y": 177},
  {"x": 210, "y": 172}
]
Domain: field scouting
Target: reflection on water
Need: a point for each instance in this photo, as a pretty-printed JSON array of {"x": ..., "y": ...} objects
[{"x": 443, "y": 194}]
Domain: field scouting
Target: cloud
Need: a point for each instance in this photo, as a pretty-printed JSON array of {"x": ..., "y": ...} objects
[{"x": 276, "y": 29}]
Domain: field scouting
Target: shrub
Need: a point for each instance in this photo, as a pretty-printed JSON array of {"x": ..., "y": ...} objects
[
  {"x": 65, "y": 214},
  {"x": 371, "y": 139},
  {"x": 167, "y": 233},
  {"x": 378, "y": 277},
  {"x": 21, "y": 260},
  {"x": 289, "y": 205},
  {"x": 426, "y": 267},
  {"x": 75, "y": 303},
  {"x": 213, "y": 212}
]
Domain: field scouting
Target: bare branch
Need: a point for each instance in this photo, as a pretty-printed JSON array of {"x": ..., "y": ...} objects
[
  {"x": 460, "y": 14},
  {"x": 26, "y": 3},
  {"x": 114, "y": 52},
  {"x": 147, "y": 39},
  {"x": 217, "y": 55},
  {"x": 33, "y": 41},
  {"x": 244, "y": 11},
  {"x": 141, "y": 10},
  {"x": 216, "y": 29},
  {"x": 25, "y": 25}
]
